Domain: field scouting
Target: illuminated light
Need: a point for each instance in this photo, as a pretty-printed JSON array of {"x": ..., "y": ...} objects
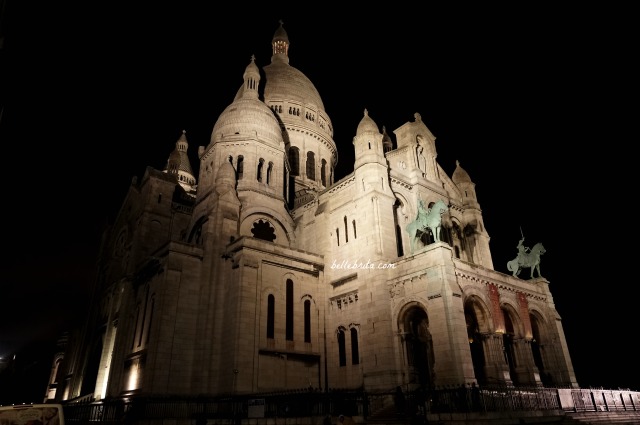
[{"x": 134, "y": 376}]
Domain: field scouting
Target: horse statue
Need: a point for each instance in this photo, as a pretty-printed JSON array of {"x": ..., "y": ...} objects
[
  {"x": 427, "y": 219},
  {"x": 527, "y": 259}
]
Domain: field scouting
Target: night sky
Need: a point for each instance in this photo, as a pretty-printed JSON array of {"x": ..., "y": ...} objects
[{"x": 529, "y": 101}]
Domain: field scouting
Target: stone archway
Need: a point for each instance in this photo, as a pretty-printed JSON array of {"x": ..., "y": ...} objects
[
  {"x": 478, "y": 328},
  {"x": 418, "y": 347}
]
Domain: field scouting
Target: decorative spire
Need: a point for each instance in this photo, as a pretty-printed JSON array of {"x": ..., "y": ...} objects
[
  {"x": 280, "y": 44},
  {"x": 251, "y": 78},
  {"x": 387, "y": 144},
  {"x": 179, "y": 165}
]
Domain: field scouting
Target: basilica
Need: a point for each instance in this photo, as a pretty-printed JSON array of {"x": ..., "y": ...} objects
[{"x": 266, "y": 273}]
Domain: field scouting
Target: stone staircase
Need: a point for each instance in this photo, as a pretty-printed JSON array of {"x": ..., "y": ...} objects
[
  {"x": 616, "y": 417},
  {"x": 388, "y": 416}
]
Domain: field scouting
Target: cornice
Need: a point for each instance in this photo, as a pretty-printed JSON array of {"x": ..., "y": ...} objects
[
  {"x": 402, "y": 183},
  {"x": 330, "y": 145},
  {"x": 501, "y": 286},
  {"x": 344, "y": 182}
]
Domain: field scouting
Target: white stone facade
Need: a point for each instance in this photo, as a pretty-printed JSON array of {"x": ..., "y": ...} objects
[{"x": 268, "y": 275}]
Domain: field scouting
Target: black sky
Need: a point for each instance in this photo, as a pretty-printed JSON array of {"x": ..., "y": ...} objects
[{"x": 527, "y": 100}]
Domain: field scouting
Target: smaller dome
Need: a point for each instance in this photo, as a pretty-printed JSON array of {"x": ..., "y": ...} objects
[
  {"x": 367, "y": 125},
  {"x": 247, "y": 115},
  {"x": 249, "y": 118},
  {"x": 460, "y": 175}
]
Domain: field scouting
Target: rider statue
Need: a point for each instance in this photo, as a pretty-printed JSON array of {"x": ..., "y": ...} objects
[
  {"x": 421, "y": 208},
  {"x": 522, "y": 250}
]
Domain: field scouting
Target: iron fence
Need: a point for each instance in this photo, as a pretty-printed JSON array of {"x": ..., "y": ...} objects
[{"x": 367, "y": 405}]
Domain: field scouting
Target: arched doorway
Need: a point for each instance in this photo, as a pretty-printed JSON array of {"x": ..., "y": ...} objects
[
  {"x": 478, "y": 327},
  {"x": 418, "y": 347},
  {"x": 538, "y": 349},
  {"x": 511, "y": 340},
  {"x": 475, "y": 346}
]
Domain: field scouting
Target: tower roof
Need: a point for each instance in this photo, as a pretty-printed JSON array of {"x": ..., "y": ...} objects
[
  {"x": 285, "y": 82},
  {"x": 367, "y": 125},
  {"x": 180, "y": 165},
  {"x": 247, "y": 114},
  {"x": 460, "y": 175}
]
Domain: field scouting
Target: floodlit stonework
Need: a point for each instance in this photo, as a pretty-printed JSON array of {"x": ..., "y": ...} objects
[{"x": 266, "y": 274}]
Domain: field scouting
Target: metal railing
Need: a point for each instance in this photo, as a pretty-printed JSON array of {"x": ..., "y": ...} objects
[{"x": 367, "y": 405}]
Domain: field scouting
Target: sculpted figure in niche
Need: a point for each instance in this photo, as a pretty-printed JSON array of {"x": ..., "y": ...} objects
[{"x": 420, "y": 158}]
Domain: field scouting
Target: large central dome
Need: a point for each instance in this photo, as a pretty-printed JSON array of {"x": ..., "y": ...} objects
[
  {"x": 287, "y": 82},
  {"x": 308, "y": 132}
]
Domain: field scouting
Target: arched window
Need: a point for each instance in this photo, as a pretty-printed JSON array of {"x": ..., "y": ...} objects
[
  {"x": 346, "y": 230},
  {"x": 240, "y": 167},
  {"x": 307, "y": 321},
  {"x": 289, "y": 311},
  {"x": 294, "y": 160},
  {"x": 355, "y": 234},
  {"x": 323, "y": 172},
  {"x": 269, "y": 172},
  {"x": 342, "y": 349},
  {"x": 355, "y": 353},
  {"x": 260, "y": 167},
  {"x": 311, "y": 166},
  {"x": 397, "y": 217},
  {"x": 271, "y": 314}
]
